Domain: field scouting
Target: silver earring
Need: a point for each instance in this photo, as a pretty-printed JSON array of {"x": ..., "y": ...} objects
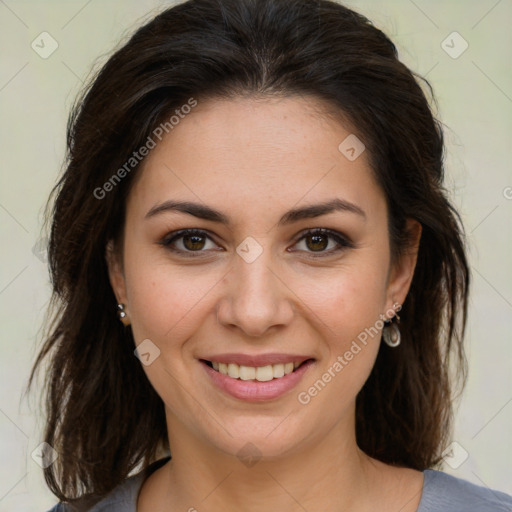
[
  {"x": 391, "y": 333},
  {"x": 121, "y": 313}
]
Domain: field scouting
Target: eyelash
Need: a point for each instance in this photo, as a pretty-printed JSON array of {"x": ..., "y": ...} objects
[{"x": 342, "y": 241}]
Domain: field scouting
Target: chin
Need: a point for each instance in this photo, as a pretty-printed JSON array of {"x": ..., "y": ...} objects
[{"x": 268, "y": 439}]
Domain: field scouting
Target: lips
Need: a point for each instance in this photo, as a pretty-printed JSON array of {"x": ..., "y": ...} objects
[{"x": 271, "y": 376}]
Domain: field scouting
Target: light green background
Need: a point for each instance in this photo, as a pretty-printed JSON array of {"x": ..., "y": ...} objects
[{"x": 475, "y": 98}]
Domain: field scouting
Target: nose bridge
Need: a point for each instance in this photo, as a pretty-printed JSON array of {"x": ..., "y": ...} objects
[{"x": 255, "y": 299}]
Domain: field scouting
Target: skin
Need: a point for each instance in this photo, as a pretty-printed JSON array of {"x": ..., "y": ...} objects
[{"x": 254, "y": 159}]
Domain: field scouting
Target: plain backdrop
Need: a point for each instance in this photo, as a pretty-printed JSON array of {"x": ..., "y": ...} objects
[{"x": 474, "y": 90}]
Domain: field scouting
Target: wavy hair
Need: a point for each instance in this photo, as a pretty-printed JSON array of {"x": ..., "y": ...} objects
[{"x": 103, "y": 416}]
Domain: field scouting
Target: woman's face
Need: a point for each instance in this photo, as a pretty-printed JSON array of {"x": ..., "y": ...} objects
[{"x": 251, "y": 287}]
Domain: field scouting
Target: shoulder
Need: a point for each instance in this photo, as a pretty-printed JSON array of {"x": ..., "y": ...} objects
[
  {"x": 450, "y": 494},
  {"x": 122, "y": 499}
]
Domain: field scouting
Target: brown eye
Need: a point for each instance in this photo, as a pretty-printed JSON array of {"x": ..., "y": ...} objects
[
  {"x": 318, "y": 240},
  {"x": 188, "y": 241},
  {"x": 193, "y": 242}
]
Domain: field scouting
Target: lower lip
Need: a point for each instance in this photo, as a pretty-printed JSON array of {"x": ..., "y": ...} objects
[{"x": 255, "y": 391}]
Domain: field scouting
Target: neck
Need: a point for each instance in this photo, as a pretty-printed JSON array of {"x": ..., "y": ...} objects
[{"x": 208, "y": 478}]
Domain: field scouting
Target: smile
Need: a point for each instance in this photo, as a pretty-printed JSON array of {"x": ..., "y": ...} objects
[{"x": 256, "y": 378}]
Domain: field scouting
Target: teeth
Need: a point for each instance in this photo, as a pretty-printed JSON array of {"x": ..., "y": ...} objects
[
  {"x": 247, "y": 372},
  {"x": 264, "y": 373},
  {"x": 278, "y": 370},
  {"x": 233, "y": 370},
  {"x": 260, "y": 373}
]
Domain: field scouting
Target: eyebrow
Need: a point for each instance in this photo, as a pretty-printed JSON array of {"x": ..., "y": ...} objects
[{"x": 202, "y": 211}]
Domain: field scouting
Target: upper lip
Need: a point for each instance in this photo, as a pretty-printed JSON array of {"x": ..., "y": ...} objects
[{"x": 257, "y": 360}]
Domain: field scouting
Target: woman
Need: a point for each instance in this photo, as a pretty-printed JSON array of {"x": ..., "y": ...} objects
[{"x": 255, "y": 189}]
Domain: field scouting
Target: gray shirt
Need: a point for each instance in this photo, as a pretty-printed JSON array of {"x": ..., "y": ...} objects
[{"x": 441, "y": 493}]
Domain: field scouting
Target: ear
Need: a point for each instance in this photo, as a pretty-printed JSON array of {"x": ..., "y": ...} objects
[
  {"x": 402, "y": 271},
  {"x": 116, "y": 273}
]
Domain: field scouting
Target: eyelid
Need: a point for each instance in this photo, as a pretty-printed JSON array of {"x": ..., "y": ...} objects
[
  {"x": 342, "y": 240},
  {"x": 168, "y": 239}
]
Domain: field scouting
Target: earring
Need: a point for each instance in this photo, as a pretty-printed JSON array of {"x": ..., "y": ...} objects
[
  {"x": 391, "y": 333},
  {"x": 121, "y": 313}
]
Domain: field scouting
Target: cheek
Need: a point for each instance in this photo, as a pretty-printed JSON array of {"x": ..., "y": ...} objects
[
  {"x": 347, "y": 304},
  {"x": 346, "y": 300},
  {"x": 166, "y": 301},
  {"x": 350, "y": 324}
]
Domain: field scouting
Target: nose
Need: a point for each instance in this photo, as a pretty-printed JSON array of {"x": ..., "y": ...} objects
[{"x": 256, "y": 297}]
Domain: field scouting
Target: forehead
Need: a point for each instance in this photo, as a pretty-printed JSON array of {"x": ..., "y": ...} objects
[{"x": 247, "y": 153}]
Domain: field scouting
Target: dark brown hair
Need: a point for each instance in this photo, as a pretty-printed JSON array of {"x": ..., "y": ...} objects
[{"x": 103, "y": 416}]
